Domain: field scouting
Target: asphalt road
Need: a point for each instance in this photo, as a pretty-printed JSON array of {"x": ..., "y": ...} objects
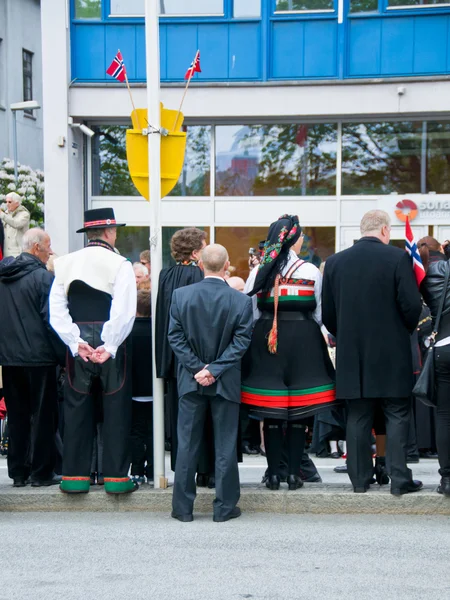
[{"x": 140, "y": 556}]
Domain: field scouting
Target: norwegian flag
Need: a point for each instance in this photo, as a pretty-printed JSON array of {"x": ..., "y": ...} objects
[
  {"x": 412, "y": 250},
  {"x": 117, "y": 68},
  {"x": 195, "y": 66}
]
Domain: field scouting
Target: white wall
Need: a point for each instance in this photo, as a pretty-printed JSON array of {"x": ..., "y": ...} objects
[{"x": 20, "y": 29}]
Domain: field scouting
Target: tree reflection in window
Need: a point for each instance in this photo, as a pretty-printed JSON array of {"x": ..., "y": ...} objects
[
  {"x": 299, "y": 5},
  {"x": 357, "y": 6},
  {"x": 276, "y": 160},
  {"x": 195, "y": 177},
  {"x": 381, "y": 158}
]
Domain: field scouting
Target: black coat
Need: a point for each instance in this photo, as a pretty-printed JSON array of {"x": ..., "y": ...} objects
[
  {"x": 169, "y": 280},
  {"x": 210, "y": 324},
  {"x": 2, "y": 238},
  {"x": 371, "y": 303},
  {"x": 141, "y": 361},
  {"x": 26, "y": 337}
]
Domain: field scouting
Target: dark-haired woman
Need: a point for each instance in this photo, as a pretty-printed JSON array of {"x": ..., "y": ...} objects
[
  {"x": 287, "y": 374},
  {"x": 436, "y": 265}
]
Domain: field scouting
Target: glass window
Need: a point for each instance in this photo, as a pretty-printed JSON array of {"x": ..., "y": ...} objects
[
  {"x": 276, "y": 160},
  {"x": 246, "y": 8},
  {"x": 357, "y": 6},
  {"x": 88, "y": 9},
  {"x": 27, "y": 68},
  {"x": 131, "y": 8},
  {"x": 131, "y": 241},
  {"x": 195, "y": 177},
  {"x": 300, "y": 5},
  {"x": 415, "y": 3},
  {"x": 381, "y": 158},
  {"x": 319, "y": 244},
  {"x": 438, "y": 157},
  {"x": 110, "y": 175}
]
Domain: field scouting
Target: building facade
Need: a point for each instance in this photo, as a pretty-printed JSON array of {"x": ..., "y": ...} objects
[
  {"x": 21, "y": 79},
  {"x": 322, "y": 108}
]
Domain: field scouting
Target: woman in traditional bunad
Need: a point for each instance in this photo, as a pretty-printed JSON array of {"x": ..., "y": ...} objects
[{"x": 287, "y": 375}]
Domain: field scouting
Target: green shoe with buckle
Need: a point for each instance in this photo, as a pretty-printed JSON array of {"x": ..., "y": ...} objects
[{"x": 120, "y": 485}]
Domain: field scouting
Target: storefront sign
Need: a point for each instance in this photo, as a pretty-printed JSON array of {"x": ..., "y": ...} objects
[{"x": 427, "y": 208}]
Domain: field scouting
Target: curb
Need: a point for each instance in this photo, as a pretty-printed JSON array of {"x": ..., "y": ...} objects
[{"x": 311, "y": 499}]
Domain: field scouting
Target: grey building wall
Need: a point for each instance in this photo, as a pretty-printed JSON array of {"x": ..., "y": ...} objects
[{"x": 20, "y": 29}]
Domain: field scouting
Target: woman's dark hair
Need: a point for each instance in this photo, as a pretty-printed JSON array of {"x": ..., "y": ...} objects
[
  {"x": 282, "y": 235},
  {"x": 425, "y": 245},
  {"x": 185, "y": 242},
  {"x": 144, "y": 306}
]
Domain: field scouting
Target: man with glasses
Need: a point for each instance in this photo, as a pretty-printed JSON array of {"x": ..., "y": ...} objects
[{"x": 15, "y": 222}]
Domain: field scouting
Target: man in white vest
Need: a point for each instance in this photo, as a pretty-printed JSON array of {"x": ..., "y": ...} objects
[{"x": 92, "y": 308}]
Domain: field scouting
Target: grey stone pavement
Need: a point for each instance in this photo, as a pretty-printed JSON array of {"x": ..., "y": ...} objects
[{"x": 140, "y": 556}]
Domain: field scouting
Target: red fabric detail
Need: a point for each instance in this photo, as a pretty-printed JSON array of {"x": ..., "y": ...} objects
[
  {"x": 287, "y": 401},
  {"x": 283, "y": 292},
  {"x": 104, "y": 222},
  {"x": 305, "y": 292},
  {"x": 2, "y": 409}
]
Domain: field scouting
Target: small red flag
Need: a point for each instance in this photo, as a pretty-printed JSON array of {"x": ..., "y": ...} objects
[
  {"x": 413, "y": 251},
  {"x": 117, "y": 68},
  {"x": 195, "y": 66}
]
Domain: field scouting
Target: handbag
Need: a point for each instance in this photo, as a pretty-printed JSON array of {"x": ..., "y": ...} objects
[{"x": 425, "y": 389}]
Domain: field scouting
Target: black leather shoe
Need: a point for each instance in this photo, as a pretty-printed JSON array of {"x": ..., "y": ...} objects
[
  {"x": 247, "y": 449},
  {"x": 444, "y": 487},
  {"x": 294, "y": 482},
  {"x": 19, "y": 482},
  {"x": 202, "y": 480},
  {"x": 341, "y": 469},
  {"x": 211, "y": 482},
  {"x": 334, "y": 455},
  {"x": 360, "y": 490},
  {"x": 381, "y": 476},
  {"x": 413, "y": 486},
  {"x": 273, "y": 482},
  {"x": 234, "y": 514},
  {"x": 55, "y": 480},
  {"x": 182, "y": 518}
]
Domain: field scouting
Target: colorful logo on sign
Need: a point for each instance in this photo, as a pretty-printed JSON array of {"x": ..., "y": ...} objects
[{"x": 406, "y": 208}]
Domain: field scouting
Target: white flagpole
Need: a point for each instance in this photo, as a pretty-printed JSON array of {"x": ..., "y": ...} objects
[{"x": 154, "y": 164}]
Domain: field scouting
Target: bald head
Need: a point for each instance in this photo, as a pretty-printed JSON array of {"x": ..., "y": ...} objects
[
  {"x": 237, "y": 283},
  {"x": 215, "y": 260}
]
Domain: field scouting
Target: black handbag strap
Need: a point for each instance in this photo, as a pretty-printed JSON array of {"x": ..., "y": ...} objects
[{"x": 441, "y": 302}]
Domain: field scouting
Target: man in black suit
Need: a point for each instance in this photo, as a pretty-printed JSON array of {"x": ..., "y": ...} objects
[
  {"x": 210, "y": 330},
  {"x": 371, "y": 303}
]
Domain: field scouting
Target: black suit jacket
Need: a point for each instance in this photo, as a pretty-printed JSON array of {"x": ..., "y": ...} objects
[
  {"x": 371, "y": 303},
  {"x": 210, "y": 324}
]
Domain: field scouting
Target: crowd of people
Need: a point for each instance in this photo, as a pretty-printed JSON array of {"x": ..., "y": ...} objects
[{"x": 289, "y": 359}]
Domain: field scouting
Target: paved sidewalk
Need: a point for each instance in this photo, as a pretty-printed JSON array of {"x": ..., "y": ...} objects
[{"x": 333, "y": 496}]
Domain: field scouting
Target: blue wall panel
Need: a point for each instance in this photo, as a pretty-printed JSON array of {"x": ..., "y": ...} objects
[
  {"x": 320, "y": 49},
  {"x": 288, "y": 50},
  {"x": 163, "y": 51},
  {"x": 364, "y": 45},
  {"x": 431, "y": 38},
  {"x": 213, "y": 44},
  {"x": 397, "y": 46},
  {"x": 88, "y": 60},
  {"x": 140, "y": 53},
  {"x": 182, "y": 44},
  {"x": 244, "y": 54},
  {"x": 123, "y": 38}
]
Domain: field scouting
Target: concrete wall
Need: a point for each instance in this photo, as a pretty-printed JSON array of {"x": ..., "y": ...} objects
[{"x": 20, "y": 29}]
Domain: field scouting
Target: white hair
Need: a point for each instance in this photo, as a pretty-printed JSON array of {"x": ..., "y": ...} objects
[
  {"x": 373, "y": 221},
  {"x": 140, "y": 267},
  {"x": 32, "y": 237},
  {"x": 14, "y": 197}
]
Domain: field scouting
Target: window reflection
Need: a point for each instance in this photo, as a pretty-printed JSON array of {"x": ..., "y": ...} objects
[
  {"x": 297, "y": 5},
  {"x": 88, "y": 9},
  {"x": 415, "y": 3},
  {"x": 438, "y": 157},
  {"x": 357, "y": 6},
  {"x": 381, "y": 158},
  {"x": 247, "y": 8},
  {"x": 276, "y": 160},
  {"x": 195, "y": 177},
  {"x": 191, "y": 7},
  {"x": 110, "y": 174}
]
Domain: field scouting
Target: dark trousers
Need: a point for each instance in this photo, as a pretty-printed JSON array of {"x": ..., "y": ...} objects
[
  {"x": 142, "y": 438},
  {"x": 192, "y": 414},
  {"x": 291, "y": 438},
  {"x": 442, "y": 366},
  {"x": 87, "y": 382},
  {"x": 31, "y": 402},
  {"x": 206, "y": 455},
  {"x": 359, "y": 450},
  {"x": 250, "y": 432}
]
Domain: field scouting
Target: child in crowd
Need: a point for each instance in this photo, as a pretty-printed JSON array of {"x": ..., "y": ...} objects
[{"x": 142, "y": 391}]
